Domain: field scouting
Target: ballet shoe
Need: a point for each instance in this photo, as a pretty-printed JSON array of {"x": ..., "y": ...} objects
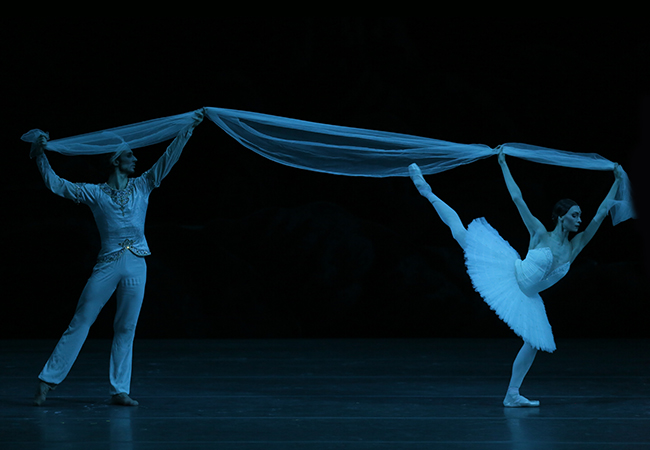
[
  {"x": 123, "y": 399},
  {"x": 519, "y": 401},
  {"x": 41, "y": 392}
]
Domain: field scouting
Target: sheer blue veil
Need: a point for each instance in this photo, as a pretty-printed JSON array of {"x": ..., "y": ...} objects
[{"x": 334, "y": 149}]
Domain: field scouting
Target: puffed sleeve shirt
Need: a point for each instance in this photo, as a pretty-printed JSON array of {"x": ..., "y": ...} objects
[{"x": 119, "y": 214}]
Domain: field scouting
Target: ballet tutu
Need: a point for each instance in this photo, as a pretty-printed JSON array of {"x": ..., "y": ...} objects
[{"x": 492, "y": 265}]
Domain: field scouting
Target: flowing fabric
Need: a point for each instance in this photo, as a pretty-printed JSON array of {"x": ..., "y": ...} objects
[{"x": 333, "y": 149}]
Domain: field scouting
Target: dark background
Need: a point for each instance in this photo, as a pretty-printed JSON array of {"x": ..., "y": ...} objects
[{"x": 245, "y": 247}]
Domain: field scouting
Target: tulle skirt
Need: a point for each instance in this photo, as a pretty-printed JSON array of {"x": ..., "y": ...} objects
[{"x": 491, "y": 265}]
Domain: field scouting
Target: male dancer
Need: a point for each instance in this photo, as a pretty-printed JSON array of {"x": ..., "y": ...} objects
[{"x": 119, "y": 207}]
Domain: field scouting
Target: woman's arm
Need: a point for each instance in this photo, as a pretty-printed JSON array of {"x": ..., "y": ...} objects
[
  {"x": 533, "y": 224},
  {"x": 580, "y": 240}
]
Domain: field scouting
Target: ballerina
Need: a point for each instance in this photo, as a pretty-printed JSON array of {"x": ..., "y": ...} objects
[
  {"x": 511, "y": 286},
  {"x": 119, "y": 207}
]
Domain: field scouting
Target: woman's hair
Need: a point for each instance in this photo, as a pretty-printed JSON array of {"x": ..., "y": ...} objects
[{"x": 561, "y": 208}]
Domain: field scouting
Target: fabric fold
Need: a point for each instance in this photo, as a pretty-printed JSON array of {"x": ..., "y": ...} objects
[{"x": 334, "y": 149}]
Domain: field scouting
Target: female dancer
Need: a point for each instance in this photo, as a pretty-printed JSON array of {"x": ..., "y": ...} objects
[{"x": 509, "y": 285}]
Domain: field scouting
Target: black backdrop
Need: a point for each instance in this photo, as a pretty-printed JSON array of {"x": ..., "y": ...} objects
[{"x": 244, "y": 247}]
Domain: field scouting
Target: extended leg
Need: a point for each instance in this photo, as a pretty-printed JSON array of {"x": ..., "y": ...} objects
[
  {"x": 520, "y": 367},
  {"x": 98, "y": 290},
  {"x": 448, "y": 215}
]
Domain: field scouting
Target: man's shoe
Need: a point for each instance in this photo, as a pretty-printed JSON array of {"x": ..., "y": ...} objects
[
  {"x": 123, "y": 399},
  {"x": 41, "y": 392}
]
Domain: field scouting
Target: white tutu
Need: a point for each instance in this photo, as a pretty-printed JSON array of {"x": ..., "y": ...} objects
[{"x": 492, "y": 265}]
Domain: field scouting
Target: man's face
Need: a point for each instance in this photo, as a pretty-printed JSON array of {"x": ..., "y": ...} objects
[{"x": 126, "y": 162}]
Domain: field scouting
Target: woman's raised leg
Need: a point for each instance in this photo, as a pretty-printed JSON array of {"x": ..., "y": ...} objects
[{"x": 448, "y": 215}]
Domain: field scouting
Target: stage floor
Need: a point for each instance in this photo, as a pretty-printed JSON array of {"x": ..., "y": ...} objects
[{"x": 332, "y": 394}]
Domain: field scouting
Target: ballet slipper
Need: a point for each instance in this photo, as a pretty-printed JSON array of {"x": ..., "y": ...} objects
[
  {"x": 42, "y": 391},
  {"x": 519, "y": 401},
  {"x": 123, "y": 399}
]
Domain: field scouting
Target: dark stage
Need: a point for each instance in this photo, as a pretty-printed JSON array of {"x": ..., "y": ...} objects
[
  {"x": 244, "y": 247},
  {"x": 290, "y": 309},
  {"x": 333, "y": 394}
]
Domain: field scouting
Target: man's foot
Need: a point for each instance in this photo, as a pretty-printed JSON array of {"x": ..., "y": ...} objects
[
  {"x": 123, "y": 399},
  {"x": 41, "y": 392},
  {"x": 519, "y": 401}
]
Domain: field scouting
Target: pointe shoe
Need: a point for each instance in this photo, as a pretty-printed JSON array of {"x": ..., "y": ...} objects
[
  {"x": 519, "y": 401},
  {"x": 123, "y": 399},
  {"x": 41, "y": 392}
]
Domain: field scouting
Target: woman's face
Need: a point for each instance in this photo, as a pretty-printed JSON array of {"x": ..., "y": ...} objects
[{"x": 571, "y": 220}]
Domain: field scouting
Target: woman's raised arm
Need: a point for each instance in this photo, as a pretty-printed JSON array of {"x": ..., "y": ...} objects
[
  {"x": 533, "y": 224},
  {"x": 580, "y": 240}
]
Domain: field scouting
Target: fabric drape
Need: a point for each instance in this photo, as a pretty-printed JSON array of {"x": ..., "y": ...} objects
[{"x": 333, "y": 149}]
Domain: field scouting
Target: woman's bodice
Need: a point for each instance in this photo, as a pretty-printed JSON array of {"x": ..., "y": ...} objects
[{"x": 535, "y": 273}]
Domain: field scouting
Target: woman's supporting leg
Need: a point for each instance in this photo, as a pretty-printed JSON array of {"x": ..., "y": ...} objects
[
  {"x": 448, "y": 215},
  {"x": 520, "y": 367}
]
